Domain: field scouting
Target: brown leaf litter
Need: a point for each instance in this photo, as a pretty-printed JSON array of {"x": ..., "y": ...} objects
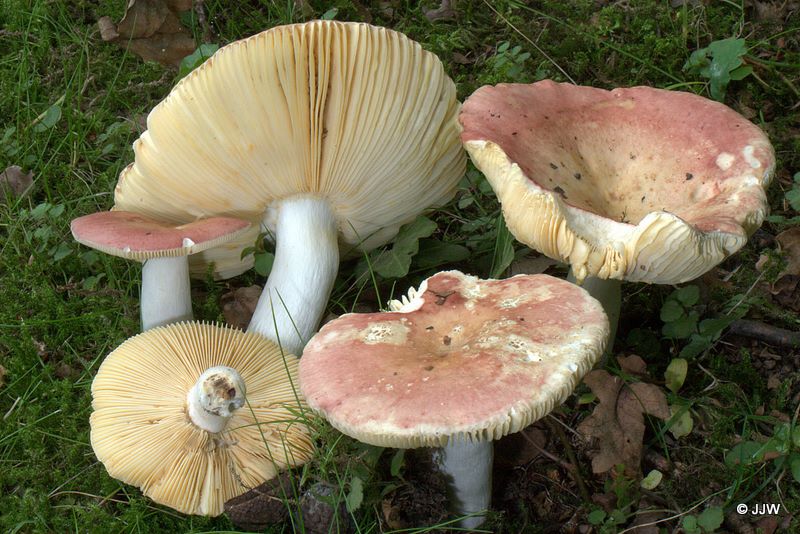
[
  {"x": 152, "y": 30},
  {"x": 14, "y": 182},
  {"x": 617, "y": 423}
]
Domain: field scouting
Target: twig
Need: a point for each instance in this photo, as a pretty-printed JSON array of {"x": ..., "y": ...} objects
[
  {"x": 764, "y": 332},
  {"x": 572, "y": 467},
  {"x": 201, "y": 19}
]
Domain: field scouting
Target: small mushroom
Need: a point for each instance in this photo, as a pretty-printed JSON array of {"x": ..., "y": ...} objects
[
  {"x": 164, "y": 248},
  {"x": 196, "y": 414},
  {"x": 635, "y": 184},
  {"x": 329, "y": 135},
  {"x": 461, "y": 363}
]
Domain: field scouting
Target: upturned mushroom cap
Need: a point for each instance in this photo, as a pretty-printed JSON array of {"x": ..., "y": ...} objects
[
  {"x": 133, "y": 236},
  {"x": 359, "y": 115},
  {"x": 637, "y": 184},
  {"x": 143, "y": 434},
  {"x": 467, "y": 359}
]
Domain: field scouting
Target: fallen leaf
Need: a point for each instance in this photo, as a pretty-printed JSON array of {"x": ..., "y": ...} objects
[
  {"x": 64, "y": 371},
  {"x": 789, "y": 247},
  {"x": 152, "y": 30},
  {"x": 617, "y": 422},
  {"x": 786, "y": 291},
  {"x": 646, "y": 518},
  {"x": 3, "y": 373},
  {"x": 238, "y": 305},
  {"x": 532, "y": 264},
  {"x": 108, "y": 30},
  {"x": 767, "y": 524},
  {"x": 519, "y": 448},
  {"x": 633, "y": 365},
  {"x": 461, "y": 59},
  {"x": 443, "y": 12},
  {"x": 262, "y": 506},
  {"x": 14, "y": 182}
]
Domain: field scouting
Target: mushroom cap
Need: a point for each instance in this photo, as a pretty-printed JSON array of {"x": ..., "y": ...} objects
[
  {"x": 467, "y": 359},
  {"x": 638, "y": 184},
  {"x": 141, "y": 432},
  {"x": 359, "y": 115},
  {"x": 133, "y": 236}
]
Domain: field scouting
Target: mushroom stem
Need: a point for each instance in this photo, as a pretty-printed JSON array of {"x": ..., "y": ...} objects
[
  {"x": 608, "y": 292},
  {"x": 467, "y": 465},
  {"x": 214, "y": 397},
  {"x": 166, "y": 294},
  {"x": 306, "y": 262}
]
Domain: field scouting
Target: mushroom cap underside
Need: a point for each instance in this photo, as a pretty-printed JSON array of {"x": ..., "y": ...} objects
[
  {"x": 141, "y": 432},
  {"x": 474, "y": 360},
  {"x": 358, "y": 115},
  {"x": 638, "y": 183}
]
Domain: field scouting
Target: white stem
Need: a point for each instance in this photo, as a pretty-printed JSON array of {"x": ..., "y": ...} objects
[
  {"x": 214, "y": 397},
  {"x": 468, "y": 469},
  {"x": 306, "y": 262},
  {"x": 608, "y": 292},
  {"x": 166, "y": 295}
]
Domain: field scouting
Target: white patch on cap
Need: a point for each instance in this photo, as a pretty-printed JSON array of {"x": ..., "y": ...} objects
[
  {"x": 725, "y": 160},
  {"x": 572, "y": 366},
  {"x": 532, "y": 357},
  {"x": 750, "y": 158},
  {"x": 126, "y": 250},
  {"x": 511, "y": 302},
  {"x": 389, "y": 333},
  {"x": 751, "y": 181},
  {"x": 187, "y": 242}
]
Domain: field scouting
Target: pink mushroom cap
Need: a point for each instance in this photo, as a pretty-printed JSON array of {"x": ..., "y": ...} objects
[
  {"x": 133, "y": 236},
  {"x": 637, "y": 183},
  {"x": 463, "y": 359}
]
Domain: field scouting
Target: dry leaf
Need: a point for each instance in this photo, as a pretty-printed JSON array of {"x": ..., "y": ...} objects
[
  {"x": 617, "y": 422},
  {"x": 532, "y": 264},
  {"x": 152, "y": 30},
  {"x": 519, "y": 448},
  {"x": 647, "y": 517},
  {"x": 3, "y": 373},
  {"x": 443, "y": 12},
  {"x": 633, "y": 365},
  {"x": 15, "y": 182},
  {"x": 108, "y": 30},
  {"x": 789, "y": 247},
  {"x": 262, "y": 506},
  {"x": 238, "y": 305},
  {"x": 786, "y": 289}
]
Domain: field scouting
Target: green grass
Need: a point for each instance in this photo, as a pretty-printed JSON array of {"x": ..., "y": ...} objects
[{"x": 63, "y": 307}]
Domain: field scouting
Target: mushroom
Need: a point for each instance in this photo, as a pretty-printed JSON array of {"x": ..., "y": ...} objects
[
  {"x": 461, "y": 363},
  {"x": 164, "y": 248},
  {"x": 636, "y": 184},
  {"x": 195, "y": 414},
  {"x": 329, "y": 135}
]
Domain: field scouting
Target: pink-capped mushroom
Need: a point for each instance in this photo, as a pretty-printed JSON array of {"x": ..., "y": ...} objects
[
  {"x": 164, "y": 248},
  {"x": 460, "y": 363},
  {"x": 635, "y": 184}
]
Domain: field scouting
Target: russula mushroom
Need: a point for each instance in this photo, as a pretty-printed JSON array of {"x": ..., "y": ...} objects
[
  {"x": 635, "y": 184},
  {"x": 327, "y": 134},
  {"x": 164, "y": 248},
  {"x": 461, "y": 363},
  {"x": 195, "y": 414}
]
